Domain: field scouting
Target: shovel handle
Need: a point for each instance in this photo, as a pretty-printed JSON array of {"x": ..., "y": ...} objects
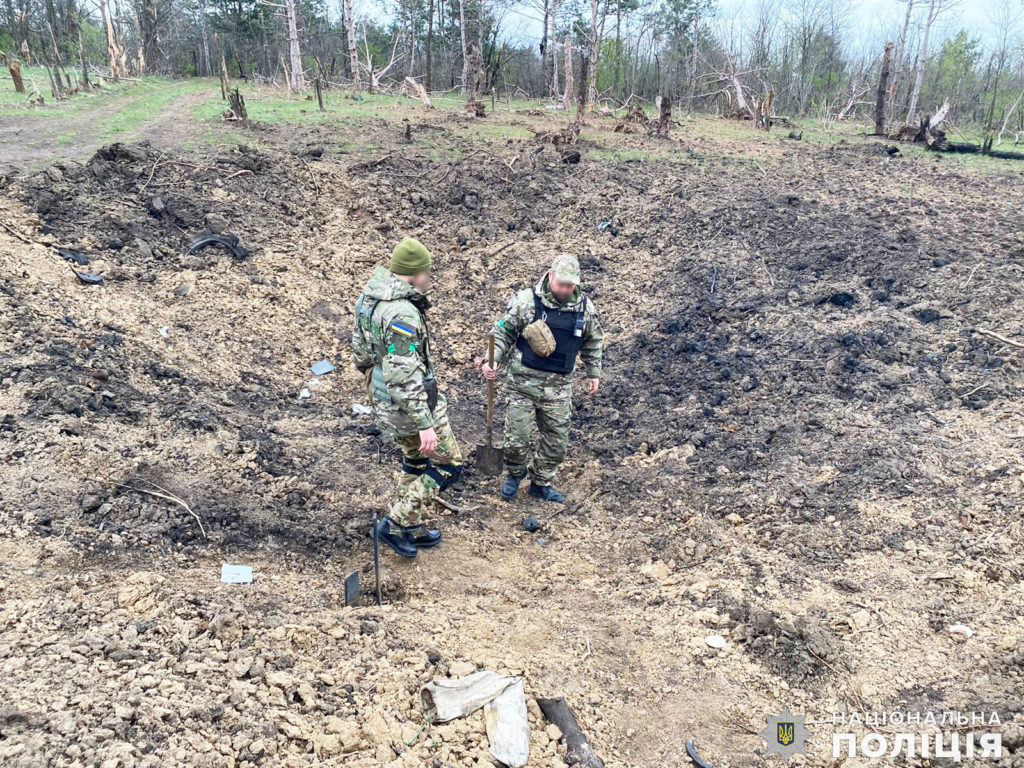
[{"x": 490, "y": 391}]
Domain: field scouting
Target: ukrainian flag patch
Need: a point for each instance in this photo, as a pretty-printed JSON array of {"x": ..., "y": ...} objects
[{"x": 403, "y": 330}]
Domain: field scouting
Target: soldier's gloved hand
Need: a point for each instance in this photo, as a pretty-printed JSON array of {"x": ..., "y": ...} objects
[
  {"x": 428, "y": 440},
  {"x": 488, "y": 372},
  {"x": 593, "y": 385}
]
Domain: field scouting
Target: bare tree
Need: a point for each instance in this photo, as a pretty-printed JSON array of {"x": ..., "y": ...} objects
[
  {"x": 934, "y": 7},
  {"x": 883, "y": 83},
  {"x": 465, "y": 51},
  {"x": 595, "y": 49},
  {"x": 113, "y": 52},
  {"x": 554, "y": 49},
  {"x": 900, "y": 52},
  {"x": 353, "y": 48},
  {"x": 205, "y": 39},
  {"x": 430, "y": 47},
  {"x": 567, "y": 96},
  {"x": 377, "y": 74},
  {"x": 298, "y": 81}
]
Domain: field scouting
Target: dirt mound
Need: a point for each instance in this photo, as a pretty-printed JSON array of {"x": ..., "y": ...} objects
[{"x": 804, "y": 443}]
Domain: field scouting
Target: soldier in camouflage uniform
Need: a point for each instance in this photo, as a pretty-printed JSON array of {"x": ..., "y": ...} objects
[
  {"x": 391, "y": 346},
  {"x": 539, "y": 382}
]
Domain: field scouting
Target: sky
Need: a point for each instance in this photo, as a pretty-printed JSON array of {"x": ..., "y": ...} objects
[{"x": 870, "y": 21}]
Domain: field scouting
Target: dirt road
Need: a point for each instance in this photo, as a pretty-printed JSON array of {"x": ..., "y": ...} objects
[{"x": 30, "y": 140}]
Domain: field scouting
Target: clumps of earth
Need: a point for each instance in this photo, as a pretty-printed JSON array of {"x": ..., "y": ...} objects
[
  {"x": 806, "y": 442},
  {"x": 224, "y": 683}
]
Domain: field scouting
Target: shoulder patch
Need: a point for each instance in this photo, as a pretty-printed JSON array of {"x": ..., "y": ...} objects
[{"x": 403, "y": 330}]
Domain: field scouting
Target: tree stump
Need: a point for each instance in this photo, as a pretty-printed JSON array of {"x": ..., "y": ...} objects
[
  {"x": 664, "y": 116},
  {"x": 237, "y": 107},
  {"x": 15, "y": 69}
]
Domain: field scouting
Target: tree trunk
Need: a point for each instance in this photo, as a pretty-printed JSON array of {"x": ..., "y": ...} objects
[
  {"x": 81, "y": 58},
  {"x": 544, "y": 45},
  {"x": 15, "y": 69},
  {"x": 581, "y": 104},
  {"x": 112, "y": 51},
  {"x": 618, "y": 46},
  {"x": 569, "y": 86},
  {"x": 297, "y": 81},
  {"x": 916, "y": 94},
  {"x": 554, "y": 60},
  {"x": 207, "y": 68},
  {"x": 223, "y": 77},
  {"x": 693, "y": 63},
  {"x": 465, "y": 51},
  {"x": 350, "y": 32},
  {"x": 900, "y": 53},
  {"x": 883, "y": 86},
  {"x": 430, "y": 46},
  {"x": 595, "y": 48},
  {"x": 412, "y": 44}
]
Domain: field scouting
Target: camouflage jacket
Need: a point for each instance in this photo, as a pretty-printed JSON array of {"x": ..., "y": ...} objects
[
  {"x": 391, "y": 338},
  {"x": 520, "y": 313}
]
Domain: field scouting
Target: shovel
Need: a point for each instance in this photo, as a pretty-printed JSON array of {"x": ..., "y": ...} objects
[{"x": 489, "y": 459}]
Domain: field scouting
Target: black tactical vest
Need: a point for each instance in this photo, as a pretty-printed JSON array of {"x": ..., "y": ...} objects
[{"x": 567, "y": 327}]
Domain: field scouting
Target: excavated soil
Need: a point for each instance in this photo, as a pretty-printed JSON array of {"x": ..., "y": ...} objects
[{"x": 805, "y": 442}]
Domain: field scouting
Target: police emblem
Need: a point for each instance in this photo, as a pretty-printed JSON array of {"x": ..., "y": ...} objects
[{"x": 785, "y": 734}]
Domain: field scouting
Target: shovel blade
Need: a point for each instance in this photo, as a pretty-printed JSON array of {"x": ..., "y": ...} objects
[{"x": 489, "y": 460}]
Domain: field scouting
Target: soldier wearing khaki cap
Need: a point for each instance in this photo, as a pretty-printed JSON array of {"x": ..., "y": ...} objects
[{"x": 540, "y": 335}]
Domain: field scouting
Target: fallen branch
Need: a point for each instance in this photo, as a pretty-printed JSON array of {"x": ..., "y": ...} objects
[
  {"x": 169, "y": 497},
  {"x": 151, "y": 172},
  {"x": 312, "y": 175},
  {"x": 1000, "y": 337},
  {"x": 15, "y": 232},
  {"x": 448, "y": 505}
]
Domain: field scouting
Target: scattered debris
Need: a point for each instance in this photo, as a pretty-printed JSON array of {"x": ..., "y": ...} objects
[
  {"x": 715, "y": 641},
  {"x": 961, "y": 629},
  {"x": 578, "y": 751},
  {"x": 236, "y": 574},
  {"x": 362, "y": 410},
  {"x": 72, "y": 255},
  {"x": 322, "y": 367},
  {"x": 504, "y": 702},
  {"x": 352, "y": 588},
  {"x": 89, "y": 278},
  {"x": 207, "y": 238},
  {"x": 531, "y": 524},
  {"x": 691, "y": 750}
]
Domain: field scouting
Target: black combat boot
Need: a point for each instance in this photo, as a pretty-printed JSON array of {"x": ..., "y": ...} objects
[
  {"x": 546, "y": 492},
  {"x": 397, "y": 541},
  {"x": 420, "y": 536},
  {"x": 510, "y": 487}
]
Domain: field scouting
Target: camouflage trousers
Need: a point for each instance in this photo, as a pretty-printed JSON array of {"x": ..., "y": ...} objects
[
  {"x": 546, "y": 403},
  {"x": 422, "y": 476}
]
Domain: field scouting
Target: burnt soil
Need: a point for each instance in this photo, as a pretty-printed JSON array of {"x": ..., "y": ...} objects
[{"x": 804, "y": 442}]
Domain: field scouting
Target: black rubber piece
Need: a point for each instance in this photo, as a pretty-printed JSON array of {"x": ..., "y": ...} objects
[{"x": 691, "y": 750}]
